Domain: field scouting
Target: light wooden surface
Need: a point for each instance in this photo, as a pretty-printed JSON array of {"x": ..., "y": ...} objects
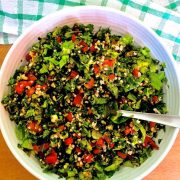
[{"x": 10, "y": 168}]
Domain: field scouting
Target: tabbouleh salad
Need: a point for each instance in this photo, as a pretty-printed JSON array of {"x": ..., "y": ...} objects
[{"x": 65, "y": 102}]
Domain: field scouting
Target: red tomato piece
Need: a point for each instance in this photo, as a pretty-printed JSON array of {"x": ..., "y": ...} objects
[
  {"x": 100, "y": 142},
  {"x": 88, "y": 158},
  {"x": 109, "y": 62},
  {"x": 68, "y": 141},
  {"x": 73, "y": 38},
  {"x": 90, "y": 84},
  {"x": 148, "y": 141},
  {"x": 58, "y": 39},
  {"x": 155, "y": 99},
  {"x": 28, "y": 57},
  {"x": 44, "y": 87},
  {"x": 92, "y": 48},
  {"x": 19, "y": 88},
  {"x": 78, "y": 150},
  {"x": 34, "y": 126},
  {"x": 136, "y": 73},
  {"x": 121, "y": 155},
  {"x": 73, "y": 74},
  {"x": 31, "y": 77},
  {"x": 111, "y": 145},
  {"x": 30, "y": 91},
  {"x": 82, "y": 43},
  {"x": 90, "y": 111},
  {"x": 78, "y": 100},
  {"x": 69, "y": 116},
  {"x": 36, "y": 148},
  {"x": 111, "y": 77},
  {"x": 152, "y": 124},
  {"x": 76, "y": 135},
  {"x": 96, "y": 69},
  {"x": 44, "y": 146},
  {"x": 85, "y": 49},
  {"x": 62, "y": 127},
  {"x": 51, "y": 158},
  {"x": 127, "y": 130},
  {"x": 96, "y": 151},
  {"x": 107, "y": 139}
]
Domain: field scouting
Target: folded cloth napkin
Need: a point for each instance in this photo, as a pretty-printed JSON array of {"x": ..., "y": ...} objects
[{"x": 162, "y": 16}]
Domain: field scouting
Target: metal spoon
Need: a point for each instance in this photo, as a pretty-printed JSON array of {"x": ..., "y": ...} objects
[{"x": 170, "y": 120}]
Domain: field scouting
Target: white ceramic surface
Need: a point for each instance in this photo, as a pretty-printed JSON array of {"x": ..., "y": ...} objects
[{"x": 120, "y": 23}]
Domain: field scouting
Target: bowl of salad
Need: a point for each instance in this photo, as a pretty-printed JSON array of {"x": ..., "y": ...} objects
[{"x": 63, "y": 83}]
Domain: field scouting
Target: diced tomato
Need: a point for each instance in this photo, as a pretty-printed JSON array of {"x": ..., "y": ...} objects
[
  {"x": 68, "y": 141},
  {"x": 73, "y": 38},
  {"x": 40, "y": 148},
  {"x": 121, "y": 155},
  {"x": 148, "y": 141},
  {"x": 88, "y": 158},
  {"x": 96, "y": 69},
  {"x": 100, "y": 142},
  {"x": 82, "y": 43},
  {"x": 136, "y": 73},
  {"x": 90, "y": 111},
  {"x": 107, "y": 139},
  {"x": 78, "y": 150},
  {"x": 109, "y": 62},
  {"x": 127, "y": 130},
  {"x": 111, "y": 77},
  {"x": 155, "y": 99},
  {"x": 28, "y": 57},
  {"x": 44, "y": 146},
  {"x": 30, "y": 91},
  {"x": 78, "y": 100},
  {"x": 34, "y": 126},
  {"x": 44, "y": 87},
  {"x": 36, "y": 148},
  {"x": 85, "y": 49},
  {"x": 92, "y": 48},
  {"x": 152, "y": 124},
  {"x": 111, "y": 145},
  {"x": 30, "y": 83},
  {"x": 85, "y": 46},
  {"x": 19, "y": 88},
  {"x": 58, "y": 39},
  {"x": 90, "y": 84},
  {"x": 96, "y": 151},
  {"x": 73, "y": 74},
  {"x": 62, "y": 127},
  {"x": 51, "y": 158},
  {"x": 50, "y": 78},
  {"x": 69, "y": 116},
  {"x": 76, "y": 135},
  {"x": 31, "y": 77}
]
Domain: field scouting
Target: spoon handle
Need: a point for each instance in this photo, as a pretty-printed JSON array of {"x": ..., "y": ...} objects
[{"x": 170, "y": 120}]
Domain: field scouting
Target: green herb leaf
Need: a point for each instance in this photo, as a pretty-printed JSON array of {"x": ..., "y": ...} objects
[
  {"x": 44, "y": 69},
  {"x": 156, "y": 79},
  {"x": 30, "y": 113},
  {"x": 27, "y": 144},
  {"x": 63, "y": 61}
]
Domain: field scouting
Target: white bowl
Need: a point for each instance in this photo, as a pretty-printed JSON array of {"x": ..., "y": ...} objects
[{"x": 120, "y": 23}]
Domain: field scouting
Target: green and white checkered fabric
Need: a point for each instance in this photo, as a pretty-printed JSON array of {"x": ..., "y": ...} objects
[{"x": 161, "y": 15}]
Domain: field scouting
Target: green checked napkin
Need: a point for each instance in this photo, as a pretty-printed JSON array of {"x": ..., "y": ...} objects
[{"x": 161, "y": 15}]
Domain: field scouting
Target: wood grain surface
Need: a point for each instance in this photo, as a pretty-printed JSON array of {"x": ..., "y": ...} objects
[{"x": 10, "y": 168}]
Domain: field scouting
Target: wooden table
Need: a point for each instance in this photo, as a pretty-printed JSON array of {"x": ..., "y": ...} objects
[{"x": 10, "y": 168}]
